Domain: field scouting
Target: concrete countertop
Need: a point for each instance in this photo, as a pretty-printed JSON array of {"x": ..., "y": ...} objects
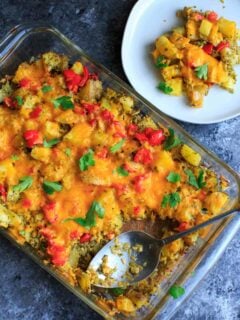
[{"x": 27, "y": 292}]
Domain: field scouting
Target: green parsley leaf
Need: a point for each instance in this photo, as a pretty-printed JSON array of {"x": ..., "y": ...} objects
[
  {"x": 65, "y": 102},
  {"x": 164, "y": 87},
  {"x": 14, "y": 157},
  {"x": 24, "y": 183},
  {"x": 116, "y": 147},
  {"x": 172, "y": 140},
  {"x": 191, "y": 178},
  {"x": 19, "y": 100},
  {"x": 173, "y": 177},
  {"x": 122, "y": 172},
  {"x": 90, "y": 220},
  {"x": 202, "y": 71},
  {"x": 160, "y": 62},
  {"x": 171, "y": 199},
  {"x": 50, "y": 187},
  {"x": 68, "y": 152},
  {"x": 198, "y": 182},
  {"x": 46, "y": 88},
  {"x": 86, "y": 160},
  {"x": 50, "y": 143},
  {"x": 176, "y": 291},
  {"x": 117, "y": 291},
  {"x": 165, "y": 201}
]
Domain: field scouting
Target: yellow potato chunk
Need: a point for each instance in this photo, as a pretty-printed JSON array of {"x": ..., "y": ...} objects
[
  {"x": 227, "y": 28},
  {"x": 167, "y": 49},
  {"x": 124, "y": 304},
  {"x": 176, "y": 85},
  {"x": 216, "y": 201},
  {"x": 190, "y": 155},
  {"x": 41, "y": 153},
  {"x": 171, "y": 72},
  {"x": 205, "y": 28}
]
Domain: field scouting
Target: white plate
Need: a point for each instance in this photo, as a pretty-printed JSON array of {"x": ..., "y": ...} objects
[{"x": 147, "y": 21}]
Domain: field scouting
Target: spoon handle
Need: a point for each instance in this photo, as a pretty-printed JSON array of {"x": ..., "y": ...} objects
[{"x": 197, "y": 227}]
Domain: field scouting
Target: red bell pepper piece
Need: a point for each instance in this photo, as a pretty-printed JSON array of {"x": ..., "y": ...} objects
[
  {"x": 208, "y": 48},
  {"x": 156, "y": 137},
  {"x": 72, "y": 80},
  {"x": 49, "y": 210},
  {"x": 32, "y": 138},
  {"x": 132, "y": 129},
  {"x": 119, "y": 188},
  {"x": 47, "y": 233},
  {"x": 85, "y": 77},
  {"x": 90, "y": 107},
  {"x": 9, "y": 102},
  {"x": 75, "y": 234},
  {"x": 136, "y": 210},
  {"x": 107, "y": 116},
  {"x": 25, "y": 83},
  {"x": 36, "y": 112},
  {"x": 143, "y": 156},
  {"x": 198, "y": 17},
  {"x": 103, "y": 153},
  {"x": 138, "y": 180},
  {"x": 212, "y": 16},
  {"x": 58, "y": 254},
  {"x": 183, "y": 226},
  {"x": 26, "y": 203},
  {"x": 222, "y": 45},
  {"x": 86, "y": 237}
]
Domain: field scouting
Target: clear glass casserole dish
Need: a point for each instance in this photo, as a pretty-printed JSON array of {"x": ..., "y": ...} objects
[{"x": 26, "y": 41}]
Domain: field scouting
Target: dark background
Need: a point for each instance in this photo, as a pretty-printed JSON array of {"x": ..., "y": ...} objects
[{"x": 26, "y": 291}]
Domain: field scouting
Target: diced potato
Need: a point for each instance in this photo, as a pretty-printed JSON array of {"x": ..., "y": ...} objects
[
  {"x": 85, "y": 282},
  {"x": 227, "y": 28},
  {"x": 179, "y": 30},
  {"x": 54, "y": 61},
  {"x": 51, "y": 130},
  {"x": 229, "y": 84},
  {"x": 124, "y": 304},
  {"x": 79, "y": 135},
  {"x": 190, "y": 155},
  {"x": 192, "y": 29},
  {"x": 176, "y": 85},
  {"x": 167, "y": 49},
  {"x": 178, "y": 40},
  {"x": 171, "y": 72},
  {"x": 205, "y": 28},
  {"x": 77, "y": 67},
  {"x": 164, "y": 162},
  {"x": 215, "y": 202},
  {"x": 5, "y": 90},
  {"x": 127, "y": 103},
  {"x": 138, "y": 298},
  {"x": 91, "y": 91},
  {"x": 67, "y": 117},
  {"x": 41, "y": 154}
]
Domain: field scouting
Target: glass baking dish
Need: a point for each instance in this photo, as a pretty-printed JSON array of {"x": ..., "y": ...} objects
[{"x": 28, "y": 40}]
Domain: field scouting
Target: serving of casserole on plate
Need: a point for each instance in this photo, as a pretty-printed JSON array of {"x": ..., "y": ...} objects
[{"x": 83, "y": 158}]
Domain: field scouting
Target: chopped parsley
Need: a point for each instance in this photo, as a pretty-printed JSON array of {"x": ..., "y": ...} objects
[
  {"x": 164, "y": 87},
  {"x": 173, "y": 177},
  {"x": 50, "y": 187},
  {"x": 202, "y": 71},
  {"x": 65, "y": 102},
  {"x": 172, "y": 140},
  {"x": 24, "y": 183},
  {"x": 46, "y": 88},
  {"x": 171, "y": 199},
  {"x": 117, "y": 291},
  {"x": 198, "y": 182},
  {"x": 20, "y": 101},
  {"x": 160, "y": 62},
  {"x": 87, "y": 160},
  {"x": 68, "y": 152},
  {"x": 14, "y": 157},
  {"x": 176, "y": 291},
  {"x": 116, "y": 147},
  {"x": 90, "y": 220},
  {"x": 122, "y": 172},
  {"x": 50, "y": 143}
]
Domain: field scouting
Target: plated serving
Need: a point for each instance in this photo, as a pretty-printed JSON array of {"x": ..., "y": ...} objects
[
  {"x": 76, "y": 132},
  {"x": 195, "y": 56}
]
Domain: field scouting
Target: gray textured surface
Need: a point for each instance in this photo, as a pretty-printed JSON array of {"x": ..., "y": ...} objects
[{"x": 27, "y": 292}]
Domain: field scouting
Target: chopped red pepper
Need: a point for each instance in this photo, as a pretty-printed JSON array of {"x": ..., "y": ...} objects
[
  {"x": 36, "y": 112},
  {"x": 58, "y": 254},
  {"x": 72, "y": 80},
  {"x": 49, "y": 210},
  {"x": 102, "y": 153},
  {"x": 132, "y": 129},
  {"x": 26, "y": 203},
  {"x": 202, "y": 195},
  {"x": 86, "y": 237},
  {"x": 3, "y": 192},
  {"x": 25, "y": 83},
  {"x": 208, "y": 48},
  {"x": 143, "y": 156},
  {"x": 212, "y": 16},
  {"x": 92, "y": 122},
  {"x": 85, "y": 77},
  {"x": 90, "y": 107},
  {"x": 79, "y": 110},
  {"x": 128, "y": 167},
  {"x": 154, "y": 137},
  {"x": 138, "y": 180},
  {"x": 32, "y": 137},
  {"x": 75, "y": 234},
  {"x": 9, "y": 102},
  {"x": 47, "y": 233},
  {"x": 136, "y": 210},
  {"x": 222, "y": 45},
  {"x": 141, "y": 136},
  {"x": 183, "y": 226},
  {"x": 107, "y": 116}
]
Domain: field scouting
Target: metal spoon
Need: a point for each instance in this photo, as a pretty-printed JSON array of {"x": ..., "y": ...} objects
[{"x": 134, "y": 255}]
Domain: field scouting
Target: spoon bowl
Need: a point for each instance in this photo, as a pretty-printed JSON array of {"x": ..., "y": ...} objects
[{"x": 134, "y": 255}]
